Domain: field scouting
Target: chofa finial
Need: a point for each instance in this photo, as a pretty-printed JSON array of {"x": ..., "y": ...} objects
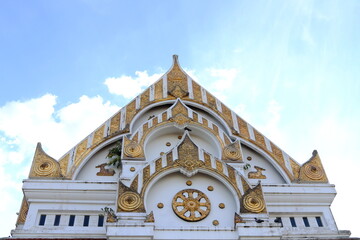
[{"x": 175, "y": 58}]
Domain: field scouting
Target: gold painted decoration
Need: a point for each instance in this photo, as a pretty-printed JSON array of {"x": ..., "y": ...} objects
[
  {"x": 191, "y": 205},
  {"x": 222, "y": 205},
  {"x": 43, "y": 165},
  {"x": 132, "y": 169},
  {"x": 258, "y": 174},
  {"x": 232, "y": 152},
  {"x": 215, "y": 222},
  {"x": 104, "y": 171},
  {"x": 180, "y": 119},
  {"x": 132, "y": 149},
  {"x": 188, "y": 155},
  {"x": 150, "y": 217},
  {"x": 129, "y": 201},
  {"x": 312, "y": 170},
  {"x": 23, "y": 212},
  {"x": 238, "y": 219},
  {"x": 253, "y": 201},
  {"x": 177, "y": 80},
  {"x": 189, "y": 183},
  {"x": 210, "y": 188},
  {"x": 160, "y": 205}
]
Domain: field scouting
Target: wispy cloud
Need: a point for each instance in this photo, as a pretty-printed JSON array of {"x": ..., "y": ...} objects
[{"x": 128, "y": 86}]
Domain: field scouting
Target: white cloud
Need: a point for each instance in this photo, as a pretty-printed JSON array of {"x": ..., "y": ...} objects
[
  {"x": 23, "y": 124},
  {"x": 128, "y": 86}
]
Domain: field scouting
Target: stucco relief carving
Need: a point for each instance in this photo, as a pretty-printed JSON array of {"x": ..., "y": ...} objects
[
  {"x": 104, "y": 171},
  {"x": 129, "y": 200},
  {"x": 191, "y": 205},
  {"x": 253, "y": 201},
  {"x": 258, "y": 174},
  {"x": 188, "y": 156},
  {"x": 312, "y": 170},
  {"x": 43, "y": 165},
  {"x": 232, "y": 152}
]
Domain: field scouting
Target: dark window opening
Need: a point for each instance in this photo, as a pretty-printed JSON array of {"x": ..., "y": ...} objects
[
  {"x": 101, "y": 221},
  {"x": 319, "y": 222},
  {"x": 306, "y": 222},
  {"x": 292, "y": 220},
  {"x": 86, "y": 220},
  {"x": 57, "y": 220},
  {"x": 42, "y": 220},
  {"x": 279, "y": 220},
  {"x": 71, "y": 220}
]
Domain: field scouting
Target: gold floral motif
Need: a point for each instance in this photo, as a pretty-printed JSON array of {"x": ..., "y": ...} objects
[
  {"x": 134, "y": 184},
  {"x": 159, "y": 89},
  {"x": 258, "y": 174},
  {"x": 178, "y": 92},
  {"x": 115, "y": 123},
  {"x": 253, "y": 201},
  {"x": 23, "y": 212},
  {"x": 64, "y": 164},
  {"x": 80, "y": 149},
  {"x": 130, "y": 112},
  {"x": 219, "y": 166},
  {"x": 98, "y": 135},
  {"x": 244, "y": 131},
  {"x": 180, "y": 119},
  {"x": 231, "y": 173},
  {"x": 146, "y": 173},
  {"x": 259, "y": 138},
  {"x": 129, "y": 201},
  {"x": 191, "y": 205},
  {"x": 150, "y": 217},
  {"x": 158, "y": 164},
  {"x": 145, "y": 98},
  {"x": 104, "y": 171},
  {"x": 43, "y": 165},
  {"x": 188, "y": 155}
]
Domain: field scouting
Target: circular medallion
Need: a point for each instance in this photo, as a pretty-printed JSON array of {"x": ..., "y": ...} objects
[
  {"x": 160, "y": 205},
  {"x": 210, "y": 188},
  {"x": 249, "y": 158},
  {"x": 132, "y": 169},
  {"x": 191, "y": 205},
  {"x": 45, "y": 168},
  {"x": 188, "y": 182},
  {"x": 313, "y": 172},
  {"x": 253, "y": 203},
  {"x": 129, "y": 201},
  {"x": 168, "y": 144},
  {"x": 222, "y": 205},
  {"x": 232, "y": 153},
  {"x": 133, "y": 149},
  {"x": 215, "y": 222}
]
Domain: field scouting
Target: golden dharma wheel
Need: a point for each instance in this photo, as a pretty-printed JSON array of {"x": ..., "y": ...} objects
[{"x": 191, "y": 205}]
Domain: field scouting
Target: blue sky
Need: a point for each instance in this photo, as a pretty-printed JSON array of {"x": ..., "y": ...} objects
[{"x": 290, "y": 68}]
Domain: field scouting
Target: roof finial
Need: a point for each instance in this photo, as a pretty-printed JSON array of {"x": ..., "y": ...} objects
[{"x": 175, "y": 59}]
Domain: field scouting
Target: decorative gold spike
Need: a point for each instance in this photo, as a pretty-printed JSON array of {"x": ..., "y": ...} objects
[
  {"x": 312, "y": 170},
  {"x": 253, "y": 201},
  {"x": 43, "y": 165}
]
